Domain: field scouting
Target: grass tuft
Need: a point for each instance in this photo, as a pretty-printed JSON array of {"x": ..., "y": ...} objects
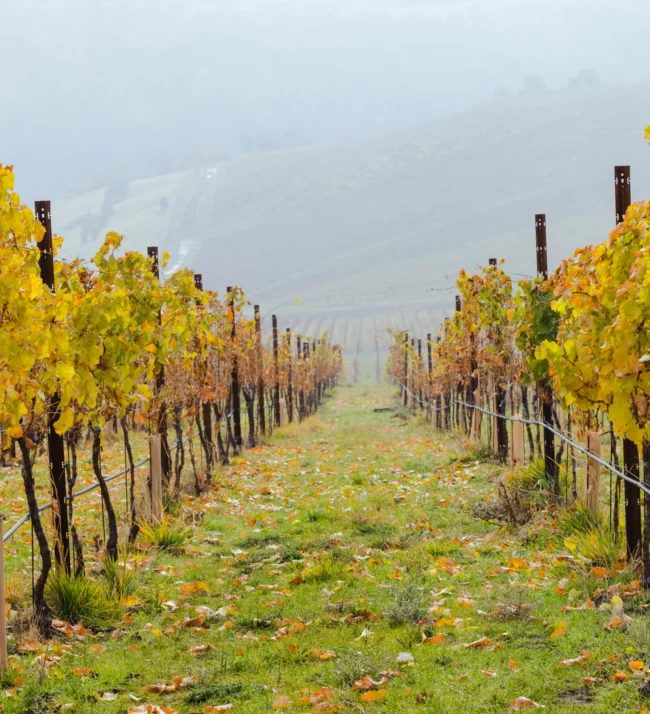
[
  {"x": 80, "y": 599},
  {"x": 121, "y": 580},
  {"x": 407, "y": 605},
  {"x": 323, "y": 569},
  {"x": 166, "y": 535}
]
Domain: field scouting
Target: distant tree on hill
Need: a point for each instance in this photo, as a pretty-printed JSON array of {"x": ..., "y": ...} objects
[
  {"x": 501, "y": 93},
  {"x": 584, "y": 78},
  {"x": 534, "y": 83}
]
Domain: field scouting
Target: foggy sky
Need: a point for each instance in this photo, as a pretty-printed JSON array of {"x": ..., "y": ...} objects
[{"x": 94, "y": 88}]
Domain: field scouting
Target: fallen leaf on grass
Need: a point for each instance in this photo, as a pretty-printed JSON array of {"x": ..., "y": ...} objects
[
  {"x": 194, "y": 588},
  {"x": 65, "y": 628},
  {"x": 197, "y": 621},
  {"x": 200, "y": 649},
  {"x": 178, "y": 683},
  {"x": 636, "y": 665},
  {"x": 599, "y": 573},
  {"x": 374, "y": 696},
  {"x": 518, "y": 564},
  {"x": 435, "y": 640},
  {"x": 81, "y": 672},
  {"x": 317, "y": 697},
  {"x": 365, "y": 634},
  {"x": 45, "y": 661},
  {"x": 367, "y": 683},
  {"x": 131, "y": 602},
  {"x": 489, "y": 673},
  {"x": 219, "y": 708},
  {"x": 151, "y": 709},
  {"x": 560, "y": 629},
  {"x": 282, "y": 702},
  {"x": 584, "y": 657},
  {"x": 327, "y": 654},
  {"x": 483, "y": 642},
  {"x": 523, "y": 703}
]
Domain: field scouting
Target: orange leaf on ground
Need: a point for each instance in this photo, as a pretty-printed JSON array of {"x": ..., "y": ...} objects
[
  {"x": 483, "y": 642},
  {"x": 522, "y": 703},
  {"x": 374, "y": 696},
  {"x": 282, "y": 702}
]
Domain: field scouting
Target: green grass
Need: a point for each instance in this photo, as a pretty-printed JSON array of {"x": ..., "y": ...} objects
[{"x": 386, "y": 545}]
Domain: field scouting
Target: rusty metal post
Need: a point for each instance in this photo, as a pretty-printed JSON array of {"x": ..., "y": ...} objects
[
  {"x": 276, "y": 372},
  {"x": 406, "y": 368},
  {"x": 290, "y": 378},
  {"x": 305, "y": 349},
  {"x": 235, "y": 395},
  {"x": 261, "y": 415},
  {"x": 301, "y": 393},
  {"x": 623, "y": 196},
  {"x": 544, "y": 385},
  {"x": 55, "y": 446},
  {"x": 165, "y": 459},
  {"x": 206, "y": 407},
  {"x": 420, "y": 374}
]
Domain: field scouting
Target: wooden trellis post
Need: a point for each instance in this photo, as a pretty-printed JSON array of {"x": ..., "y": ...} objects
[
  {"x": 155, "y": 447},
  {"x": 592, "y": 483},
  {"x": 55, "y": 446},
  {"x": 517, "y": 442}
]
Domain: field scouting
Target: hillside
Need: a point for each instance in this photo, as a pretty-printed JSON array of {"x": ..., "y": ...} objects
[{"x": 380, "y": 227}]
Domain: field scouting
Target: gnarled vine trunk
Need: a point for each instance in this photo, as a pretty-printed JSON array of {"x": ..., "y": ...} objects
[
  {"x": 134, "y": 528},
  {"x": 111, "y": 543},
  {"x": 42, "y": 613},
  {"x": 179, "y": 456}
]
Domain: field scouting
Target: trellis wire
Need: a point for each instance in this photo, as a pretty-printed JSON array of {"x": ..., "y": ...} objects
[{"x": 590, "y": 455}]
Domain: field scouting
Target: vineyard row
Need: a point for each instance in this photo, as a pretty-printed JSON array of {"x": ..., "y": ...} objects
[
  {"x": 110, "y": 345},
  {"x": 570, "y": 349}
]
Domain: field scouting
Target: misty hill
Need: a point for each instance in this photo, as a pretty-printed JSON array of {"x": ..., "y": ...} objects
[
  {"x": 365, "y": 232},
  {"x": 138, "y": 87}
]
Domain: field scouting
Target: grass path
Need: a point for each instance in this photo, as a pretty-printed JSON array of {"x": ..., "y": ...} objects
[{"x": 346, "y": 552}]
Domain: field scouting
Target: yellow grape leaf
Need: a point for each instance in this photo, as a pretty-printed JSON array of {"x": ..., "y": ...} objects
[
  {"x": 64, "y": 422},
  {"x": 571, "y": 544}
]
